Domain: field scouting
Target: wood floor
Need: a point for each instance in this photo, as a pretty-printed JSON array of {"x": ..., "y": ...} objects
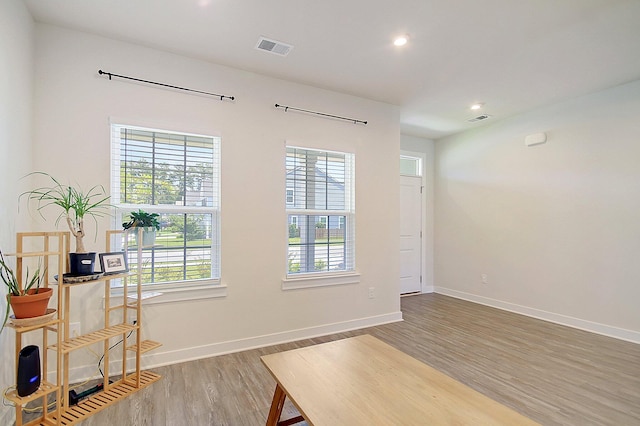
[{"x": 553, "y": 374}]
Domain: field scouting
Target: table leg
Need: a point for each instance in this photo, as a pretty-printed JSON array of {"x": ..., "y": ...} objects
[{"x": 276, "y": 406}]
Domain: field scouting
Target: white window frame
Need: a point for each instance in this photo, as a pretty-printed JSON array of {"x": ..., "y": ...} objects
[
  {"x": 293, "y": 281},
  {"x": 293, "y": 195},
  {"x": 172, "y": 290},
  {"x": 417, "y": 160}
]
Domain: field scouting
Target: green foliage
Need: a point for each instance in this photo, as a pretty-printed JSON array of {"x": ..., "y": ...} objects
[
  {"x": 294, "y": 231},
  {"x": 320, "y": 265},
  {"x": 136, "y": 185},
  {"x": 170, "y": 183},
  {"x": 198, "y": 269},
  {"x": 142, "y": 219},
  {"x": 13, "y": 286},
  {"x": 191, "y": 225},
  {"x": 321, "y": 225},
  {"x": 74, "y": 202},
  {"x": 293, "y": 265}
]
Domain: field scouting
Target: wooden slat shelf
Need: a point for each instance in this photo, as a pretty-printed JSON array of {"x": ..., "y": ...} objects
[
  {"x": 102, "y": 400},
  {"x": 145, "y": 346},
  {"x": 42, "y": 422},
  {"x": 48, "y": 325},
  {"x": 33, "y": 254},
  {"x": 95, "y": 337},
  {"x": 45, "y": 389}
]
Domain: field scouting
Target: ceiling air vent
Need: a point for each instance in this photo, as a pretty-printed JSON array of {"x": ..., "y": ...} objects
[
  {"x": 478, "y": 118},
  {"x": 273, "y": 46}
]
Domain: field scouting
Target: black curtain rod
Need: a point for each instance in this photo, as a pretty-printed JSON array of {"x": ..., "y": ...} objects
[
  {"x": 286, "y": 108},
  {"x": 165, "y": 85}
]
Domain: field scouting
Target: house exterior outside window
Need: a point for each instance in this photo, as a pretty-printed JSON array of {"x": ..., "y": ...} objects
[
  {"x": 177, "y": 176},
  {"x": 321, "y": 217}
]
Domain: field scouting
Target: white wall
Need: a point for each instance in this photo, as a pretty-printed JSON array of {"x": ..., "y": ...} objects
[
  {"x": 554, "y": 227},
  {"x": 426, "y": 148},
  {"x": 73, "y": 108},
  {"x": 16, "y": 93}
]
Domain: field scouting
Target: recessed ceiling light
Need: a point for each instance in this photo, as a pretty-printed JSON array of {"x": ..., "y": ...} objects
[
  {"x": 401, "y": 40},
  {"x": 477, "y": 106}
]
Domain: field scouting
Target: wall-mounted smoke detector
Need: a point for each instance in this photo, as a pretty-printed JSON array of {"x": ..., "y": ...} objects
[
  {"x": 478, "y": 118},
  {"x": 273, "y": 46}
]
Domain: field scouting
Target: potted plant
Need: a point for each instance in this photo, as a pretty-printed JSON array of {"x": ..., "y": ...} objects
[
  {"x": 148, "y": 222},
  {"x": 75, "y": 205},
  {"x": 26, "y": 301}
]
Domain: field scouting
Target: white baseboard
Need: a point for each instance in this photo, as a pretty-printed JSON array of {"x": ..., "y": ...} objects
[
  {"x": 158, "y": 359},
  {"x": 594, "y": 327}
]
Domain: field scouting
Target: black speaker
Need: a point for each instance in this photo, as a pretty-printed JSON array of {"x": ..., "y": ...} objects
[{"x": 28, "y": 370}]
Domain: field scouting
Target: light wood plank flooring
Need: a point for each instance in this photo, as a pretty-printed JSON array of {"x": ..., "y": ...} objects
[{"x": 553, "y": 374}]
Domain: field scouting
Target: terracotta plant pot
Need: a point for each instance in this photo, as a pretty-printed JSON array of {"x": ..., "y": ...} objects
[{"x": 32, "y": 305}]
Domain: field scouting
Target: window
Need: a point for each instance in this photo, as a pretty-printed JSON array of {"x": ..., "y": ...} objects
[
  {"x": 177, "y": 176},
  {"x": 321, "y": 216},
  {"x": 410, "y": 166},
  {"x": 289, "y": 195}
]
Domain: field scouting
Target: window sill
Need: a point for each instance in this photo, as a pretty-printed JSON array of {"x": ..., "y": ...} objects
[
  {"x": 295, "y": 282},
  {"x": 174, "y": 294}
]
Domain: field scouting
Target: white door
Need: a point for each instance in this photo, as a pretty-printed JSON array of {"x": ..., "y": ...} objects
[{"x": 410, "y": 234}]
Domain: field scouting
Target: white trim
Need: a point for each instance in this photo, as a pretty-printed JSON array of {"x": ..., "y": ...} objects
[
  {"x": 295, "y": 282},
  {"x": 427, "y": 285},
  {"x": 593, "y": 327},
  {"x": 173, "y": 126},
  {"x": 414, "y": 155},
  {"x": 174, "y": 294},
  {"x": 159, "y": 359}
]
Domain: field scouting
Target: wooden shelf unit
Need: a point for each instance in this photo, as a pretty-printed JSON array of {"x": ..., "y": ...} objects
[
  {"x": 113, "y": 390},
  {"x": 52, "y": 249}
]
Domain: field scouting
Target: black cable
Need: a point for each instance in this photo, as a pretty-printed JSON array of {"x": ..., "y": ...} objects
[{"x": 113, "y": 346}]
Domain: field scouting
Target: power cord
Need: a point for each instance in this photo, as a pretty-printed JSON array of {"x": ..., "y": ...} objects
[{"x": 111, "y": 347}]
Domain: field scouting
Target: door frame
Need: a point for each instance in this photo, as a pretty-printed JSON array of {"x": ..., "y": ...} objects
[{"x": 426, "y": 285}]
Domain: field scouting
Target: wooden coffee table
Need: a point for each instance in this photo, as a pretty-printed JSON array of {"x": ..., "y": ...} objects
[{"x": 364, "y": 381}]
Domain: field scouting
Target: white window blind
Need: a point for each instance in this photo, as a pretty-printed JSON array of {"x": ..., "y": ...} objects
[
  {"x": 177, "y": 176},
  {"x": 321, "y": 211}
]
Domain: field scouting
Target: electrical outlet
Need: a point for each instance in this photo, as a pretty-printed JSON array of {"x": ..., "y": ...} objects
[
  {"x": 74, "y": 329},
  {"x": 484, "y": 278},
  {"x": 372, "y": 292}
]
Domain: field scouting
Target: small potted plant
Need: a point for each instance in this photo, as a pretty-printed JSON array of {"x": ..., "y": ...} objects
[
  {"x": 148, "y": 222},
  {"x": 28, "y": 301},
  {"x": 75, "y": 205}
]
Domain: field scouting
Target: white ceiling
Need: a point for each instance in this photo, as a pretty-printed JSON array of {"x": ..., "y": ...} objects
[{"x": 513, "y": 55}]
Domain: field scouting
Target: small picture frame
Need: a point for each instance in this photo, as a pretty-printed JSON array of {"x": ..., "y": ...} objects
[{"x": 113, "y": 263}]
